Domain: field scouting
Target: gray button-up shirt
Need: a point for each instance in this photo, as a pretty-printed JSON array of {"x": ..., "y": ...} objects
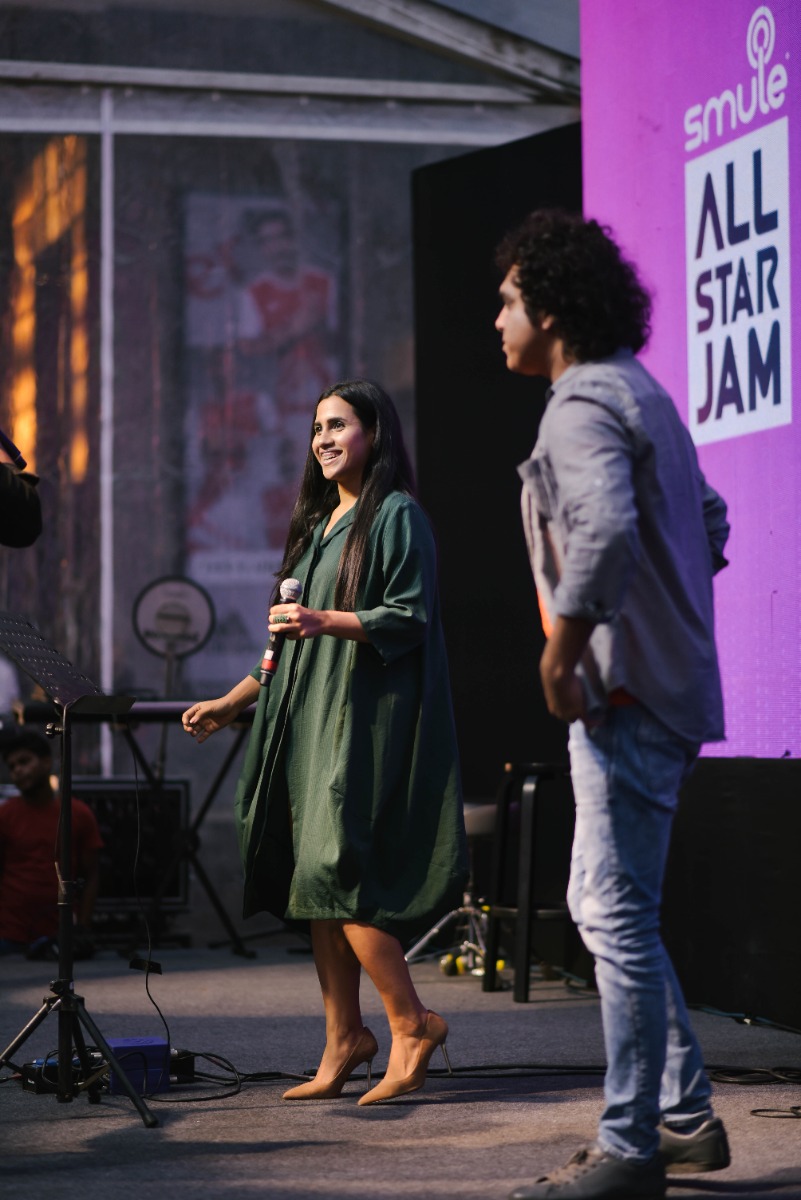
[{"x": 624, "y": 531}]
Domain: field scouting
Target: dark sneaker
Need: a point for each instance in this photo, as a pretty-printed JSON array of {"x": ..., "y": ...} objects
[
  {"x": 593, "y": 1175},
  {"x": 705, "y": 1150}
]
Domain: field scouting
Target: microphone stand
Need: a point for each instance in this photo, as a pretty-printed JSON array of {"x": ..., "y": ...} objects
[{"x": 71, "y": 692}]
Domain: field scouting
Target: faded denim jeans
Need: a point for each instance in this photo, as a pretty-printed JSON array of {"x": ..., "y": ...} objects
[{"x": 626, "y": 774}]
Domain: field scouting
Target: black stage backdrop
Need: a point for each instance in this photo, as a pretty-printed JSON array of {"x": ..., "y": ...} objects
[
  {"x": 731, "y": 912},
  {"x": 475, "y": 422}
]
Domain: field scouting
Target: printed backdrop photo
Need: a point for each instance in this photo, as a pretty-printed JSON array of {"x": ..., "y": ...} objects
[{"x": 261, "y": 342}]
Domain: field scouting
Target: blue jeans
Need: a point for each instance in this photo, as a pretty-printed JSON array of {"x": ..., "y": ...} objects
[{"x": 626, "y": 775}]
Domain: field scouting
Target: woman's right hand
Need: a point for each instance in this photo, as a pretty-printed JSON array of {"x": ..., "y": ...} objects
[{"x": 203, "y": 719}]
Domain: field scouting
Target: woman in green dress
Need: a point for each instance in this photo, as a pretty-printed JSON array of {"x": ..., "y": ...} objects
[{"x": 349, "y": 808}]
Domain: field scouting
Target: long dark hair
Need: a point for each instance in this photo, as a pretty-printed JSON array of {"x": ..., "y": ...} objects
[
  {"x": 388, "y": 469},
  {"x": 573, "y": 270}
]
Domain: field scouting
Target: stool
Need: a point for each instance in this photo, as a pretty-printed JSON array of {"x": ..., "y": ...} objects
[{"x": 526, "y": 780}]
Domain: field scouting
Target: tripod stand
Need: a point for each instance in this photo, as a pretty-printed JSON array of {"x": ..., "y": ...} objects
[
  {"x": 71, "y": 692},
  {"x": 471, "y": 926},
  {"x": 471, "y": 919}
]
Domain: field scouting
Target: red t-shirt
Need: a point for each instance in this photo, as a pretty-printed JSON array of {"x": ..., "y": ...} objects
[{"x": 28, "y": 852}]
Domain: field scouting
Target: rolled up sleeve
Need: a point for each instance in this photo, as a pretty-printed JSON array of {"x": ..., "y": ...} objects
[
  {"x": 716, "y": 525},
  {"x": 592, "y": 456},
  {"x": 406, "y": 577}
]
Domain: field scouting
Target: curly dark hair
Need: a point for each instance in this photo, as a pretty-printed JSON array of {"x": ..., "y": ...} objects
[
  {"x": 388, "y": 469},
  {"x": 573, "y": 270}
]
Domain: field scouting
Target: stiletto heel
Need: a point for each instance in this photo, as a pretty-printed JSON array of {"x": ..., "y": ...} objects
[
  {"x": 364, "y": 1051},
  {"x": 435, "y": 1031}
]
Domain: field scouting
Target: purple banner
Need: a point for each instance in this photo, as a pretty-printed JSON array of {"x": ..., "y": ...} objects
[{"x": 692, "y": 154}]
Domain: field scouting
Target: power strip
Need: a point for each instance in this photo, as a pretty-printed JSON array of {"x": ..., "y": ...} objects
[{"x": 41, "y": 1076}]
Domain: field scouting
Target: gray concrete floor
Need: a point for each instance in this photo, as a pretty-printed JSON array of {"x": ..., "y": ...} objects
[{"x": 477, "y": 1134}]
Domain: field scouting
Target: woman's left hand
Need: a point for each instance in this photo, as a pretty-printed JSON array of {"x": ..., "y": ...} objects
[{"x": 295, "y": 621}]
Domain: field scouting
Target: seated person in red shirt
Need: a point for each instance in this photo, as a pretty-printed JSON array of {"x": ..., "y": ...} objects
[{"x": 29, "y": 850}]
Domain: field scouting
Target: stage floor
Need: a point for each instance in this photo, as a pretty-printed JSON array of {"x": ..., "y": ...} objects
[{"x": 526, "y": 1092}]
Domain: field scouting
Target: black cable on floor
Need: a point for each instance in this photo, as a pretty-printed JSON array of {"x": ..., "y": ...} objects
[
  {"x": 755, "y": 1075},
  {"x": 235, "y": 1079},
  {"x": 744, "y": 1018}
]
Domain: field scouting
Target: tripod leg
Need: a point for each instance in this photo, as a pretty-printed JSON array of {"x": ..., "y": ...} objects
[
  {"x": 47, "y": 1007},
  {"x": 65, "y": 1089},
  {"x": 70, "y": 1034},
  {"x": 93, "y": 1091},
  {"x": 97, "y": 1038},
  {"x": 474, "y": 945},
  {"x": 432, "y": 933},
  {"x": 477, "y": 924},
  {"x": 489, "y": 982}
]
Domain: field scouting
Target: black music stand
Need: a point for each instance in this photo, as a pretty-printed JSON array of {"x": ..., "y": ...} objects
[{"x": 71, "y": 692}]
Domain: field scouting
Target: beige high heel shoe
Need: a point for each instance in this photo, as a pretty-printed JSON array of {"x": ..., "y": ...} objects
[
  {"x": 435, "y": 1031},
  {"x": 364, "y": 1051}
]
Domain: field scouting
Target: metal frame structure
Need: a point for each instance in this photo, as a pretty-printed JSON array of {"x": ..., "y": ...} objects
[
  {"x": 539, "y": 69},
  {"x": 534, "y": 89}
]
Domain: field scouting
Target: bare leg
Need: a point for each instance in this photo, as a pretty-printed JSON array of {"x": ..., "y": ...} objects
[
  {"x": 339, "y": 973},
  {"x": 382, "y": 957},
  {"x": 347, "y": 1042}
]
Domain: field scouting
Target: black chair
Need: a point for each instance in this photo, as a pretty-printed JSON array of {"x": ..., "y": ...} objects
[{"x": 533, "y": 836}]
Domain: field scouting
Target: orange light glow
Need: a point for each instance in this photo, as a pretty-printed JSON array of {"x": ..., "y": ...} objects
[{"x": 50, "y": 204}]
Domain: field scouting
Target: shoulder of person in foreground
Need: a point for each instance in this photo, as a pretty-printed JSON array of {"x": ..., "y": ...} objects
[{"x": 20, "y": 508}]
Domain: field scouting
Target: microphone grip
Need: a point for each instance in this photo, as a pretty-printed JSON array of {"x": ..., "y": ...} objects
[
  {"x": 269, "y": 663},
  {"x": 289, "y": 592}
]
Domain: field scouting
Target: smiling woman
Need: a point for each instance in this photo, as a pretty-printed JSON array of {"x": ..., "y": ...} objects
[
  {"x": 349, "y": 806},
  {"x": 342, "y": 446}
]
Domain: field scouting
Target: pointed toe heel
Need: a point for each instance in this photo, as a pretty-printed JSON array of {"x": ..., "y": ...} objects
[
  {"x": 364, "y": 1051},
  {"x": 435, "y": 1032}
]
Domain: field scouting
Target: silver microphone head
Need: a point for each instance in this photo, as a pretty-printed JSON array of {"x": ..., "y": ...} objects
[{"x": 290, "y": 591}]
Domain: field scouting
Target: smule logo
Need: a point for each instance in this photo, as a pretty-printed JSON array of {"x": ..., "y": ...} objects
[
  {"x": 760, "y": 39},
  {"x": 767, "y": 92}
]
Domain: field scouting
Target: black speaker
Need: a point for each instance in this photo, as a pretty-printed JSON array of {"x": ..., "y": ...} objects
[
  {"x": 732, "y": 905},
  {"x": 141, "y": 828}
]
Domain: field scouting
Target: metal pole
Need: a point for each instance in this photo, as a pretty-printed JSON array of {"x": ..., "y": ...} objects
[
  {"x": 66, "y": 896},
  {"x": 106, "y": 414}
]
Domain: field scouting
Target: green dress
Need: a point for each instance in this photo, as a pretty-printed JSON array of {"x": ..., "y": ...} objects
[{"x": 349, "y": 803}]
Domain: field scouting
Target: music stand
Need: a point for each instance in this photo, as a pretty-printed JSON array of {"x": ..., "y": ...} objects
[{"x": 71, "y": 692}]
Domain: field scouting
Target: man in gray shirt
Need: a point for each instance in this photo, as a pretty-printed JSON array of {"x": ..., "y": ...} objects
[{"x": 624, "y": 536}]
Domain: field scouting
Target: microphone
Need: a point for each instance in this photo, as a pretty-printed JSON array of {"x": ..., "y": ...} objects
[
  {"x": 12, "y": 451},
  {"x": 289, "y": 592}
]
